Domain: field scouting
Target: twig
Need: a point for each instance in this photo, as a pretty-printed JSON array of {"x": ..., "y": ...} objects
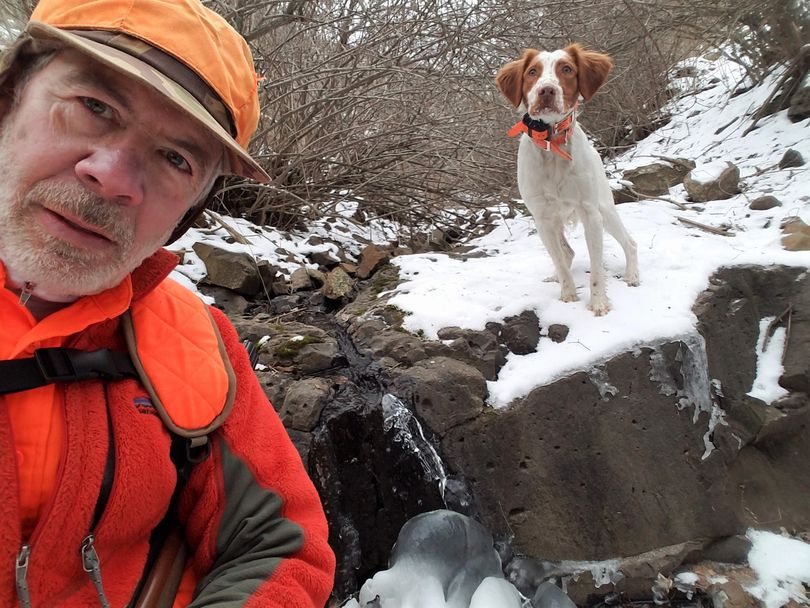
[
  {"x": 643, "y": 196},
  {"x": 217, "y": 218},
  {"x": 769, "y": 331},
  {"x": 778, "y": 87},
  {"x": 712, "y": 229}
]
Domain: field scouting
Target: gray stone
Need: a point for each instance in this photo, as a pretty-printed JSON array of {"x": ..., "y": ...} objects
[
  {"x": 763, "y": 203},
  {"x": 799, "y": 105},
  {"x": 318, "y": 278},
  {"x": 299, "y": 280},
  {"x": 338, "y": 285},
  {"x": 229, "y": 302},
  {"x": 376, "y": 339},
  {"x": 444, "y": 392},
  {"x": 791, "y": 158},
  {"x": 304, "y": 402},
  {"x": 557, "y": 332},
  {"x": 657, "y": 178},
  {"x": 478, "y": 348},
  {"x": 623, "y": 195},
  {"x": 724, "y": 186},
  {"x": 730, "y": 549},
  {"x": 233, "y": 270},
  {"x": 521, "y": 334}
]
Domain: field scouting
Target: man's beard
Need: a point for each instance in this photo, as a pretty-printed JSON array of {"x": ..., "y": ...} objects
[{"x": 55, "y": 266}]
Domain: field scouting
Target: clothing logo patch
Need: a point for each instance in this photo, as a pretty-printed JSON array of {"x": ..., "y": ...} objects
[{"x": 144, "y": 405}]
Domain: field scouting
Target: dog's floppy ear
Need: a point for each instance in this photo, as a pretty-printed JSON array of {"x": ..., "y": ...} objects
[
  {"x": 592, "y": 69},
  {"x": 510, "y": 77}
]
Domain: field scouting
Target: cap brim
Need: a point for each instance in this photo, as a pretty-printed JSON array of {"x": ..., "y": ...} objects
[{"x": 238, "y": 161}]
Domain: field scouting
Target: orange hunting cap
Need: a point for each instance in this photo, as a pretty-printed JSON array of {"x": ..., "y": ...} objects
[{"x": 182, "y": 49}]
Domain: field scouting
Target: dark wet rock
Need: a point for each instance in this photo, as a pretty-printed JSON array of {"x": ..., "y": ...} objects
[
  {"x": 731, "y": 549},
  {"x": 763, "y": 203},
  {"x": 370, "y": 472}
]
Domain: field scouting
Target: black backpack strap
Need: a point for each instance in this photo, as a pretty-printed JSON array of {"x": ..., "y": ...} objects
[{"x": 49, "y": 365}]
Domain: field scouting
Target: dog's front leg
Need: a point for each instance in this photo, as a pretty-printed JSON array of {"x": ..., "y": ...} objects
[
  {"x": 594, "y": 237},
  {"x": 551, "y": 233}
]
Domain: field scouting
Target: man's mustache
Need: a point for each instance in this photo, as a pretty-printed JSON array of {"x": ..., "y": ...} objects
[{"x": 84, "y": 205}]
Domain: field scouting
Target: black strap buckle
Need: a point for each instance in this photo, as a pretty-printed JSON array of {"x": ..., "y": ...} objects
[
  {"x": 70, "y": 365},
  {"x": 55, "y": 364}
]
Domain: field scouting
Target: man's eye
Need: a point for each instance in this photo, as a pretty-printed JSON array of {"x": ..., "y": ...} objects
[
  {"x": 178, "y": 161},
  {"x": 99, "y": 108}
]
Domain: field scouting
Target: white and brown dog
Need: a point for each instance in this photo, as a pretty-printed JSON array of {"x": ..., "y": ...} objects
[{"x": 560, "y": 175}]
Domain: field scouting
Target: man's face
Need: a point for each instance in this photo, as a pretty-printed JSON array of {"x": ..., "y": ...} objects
[{"x": 95, "y": 172}]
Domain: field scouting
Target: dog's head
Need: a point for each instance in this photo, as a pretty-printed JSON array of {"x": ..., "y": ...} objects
[{"x": 549, "y": 84}]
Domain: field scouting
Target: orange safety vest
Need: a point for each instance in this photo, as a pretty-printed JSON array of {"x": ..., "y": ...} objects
[{"x": 174, "y": 345}]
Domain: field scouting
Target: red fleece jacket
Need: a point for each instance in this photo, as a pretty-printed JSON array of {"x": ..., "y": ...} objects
[{"x": 253, "y": 519}]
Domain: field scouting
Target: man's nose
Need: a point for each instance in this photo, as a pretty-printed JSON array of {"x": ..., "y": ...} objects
[{"x": 114, "y": 173}]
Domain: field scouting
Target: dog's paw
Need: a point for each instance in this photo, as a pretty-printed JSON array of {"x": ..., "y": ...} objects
[
  {"x": 599, "y": 306},
  {"x": 551, "y": 279},
  {"x": 632, "y": 279},
  {"x": 569, "y": 297}
]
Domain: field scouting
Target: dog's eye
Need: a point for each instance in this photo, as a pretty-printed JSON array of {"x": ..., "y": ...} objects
[
  {"x": 532, "y": 72},
  {"x": 567, "y": 69}
]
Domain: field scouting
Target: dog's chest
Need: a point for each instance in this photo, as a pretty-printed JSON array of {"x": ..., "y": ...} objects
[{"x": 549, "y": 177}]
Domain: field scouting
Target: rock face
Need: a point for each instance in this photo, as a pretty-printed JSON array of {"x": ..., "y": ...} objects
[
  {"x": 657, "y": 458},
  {"x": 585, "y": 471}
]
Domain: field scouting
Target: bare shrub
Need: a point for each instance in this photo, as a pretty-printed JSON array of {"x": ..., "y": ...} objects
[{"x": 392, "y": 102}]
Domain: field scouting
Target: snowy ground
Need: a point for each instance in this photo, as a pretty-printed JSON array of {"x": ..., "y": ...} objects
[{"x": 676, "y": 261}]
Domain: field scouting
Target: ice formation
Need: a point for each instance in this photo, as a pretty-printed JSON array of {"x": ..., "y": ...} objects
[{"x": 441, "y": 559}]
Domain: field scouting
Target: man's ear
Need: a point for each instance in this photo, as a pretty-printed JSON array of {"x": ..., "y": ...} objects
[
  {"x": 510, "y": 77},
  {"x": 592, "y": 69}
]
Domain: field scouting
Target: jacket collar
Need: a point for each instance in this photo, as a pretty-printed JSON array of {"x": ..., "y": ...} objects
[{"x": 152, "y": 271}]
